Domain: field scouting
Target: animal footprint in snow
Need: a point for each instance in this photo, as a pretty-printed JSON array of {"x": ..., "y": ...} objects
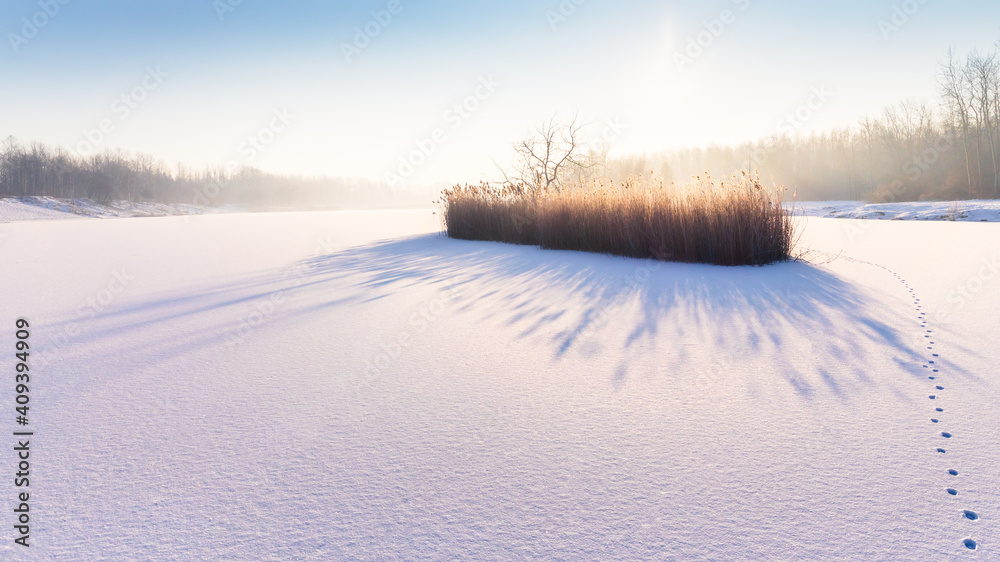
[{"x": 970, "y": 515}]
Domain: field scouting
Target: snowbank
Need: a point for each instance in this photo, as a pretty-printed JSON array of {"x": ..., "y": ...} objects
[
  {"x": 986, "y": 210},
  {"x": 14, "y": 209},
  {"x": 50, "y": 208}
]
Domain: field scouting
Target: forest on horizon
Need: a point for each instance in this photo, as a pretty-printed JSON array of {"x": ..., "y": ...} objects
[{"x": 912, "y": 151}]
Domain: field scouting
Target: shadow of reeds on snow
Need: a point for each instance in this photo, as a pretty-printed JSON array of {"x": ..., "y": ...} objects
[
  {"x": 575, "y": 300},
  {"x": 561, "y": 302}
]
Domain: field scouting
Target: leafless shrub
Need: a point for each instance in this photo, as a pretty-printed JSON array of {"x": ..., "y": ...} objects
[{"x": 548, "y": 157}]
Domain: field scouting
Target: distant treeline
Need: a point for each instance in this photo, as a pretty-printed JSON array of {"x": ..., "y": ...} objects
[
  {"x": 35, "y": 169},
  {"x": 912, "y": 151}
]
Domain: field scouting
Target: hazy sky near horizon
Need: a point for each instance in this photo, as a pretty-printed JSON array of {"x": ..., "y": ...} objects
[{"x": 201, "y": 78}]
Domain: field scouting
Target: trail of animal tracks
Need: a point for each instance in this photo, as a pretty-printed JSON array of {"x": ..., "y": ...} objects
[{"x": 353, "y": 385}]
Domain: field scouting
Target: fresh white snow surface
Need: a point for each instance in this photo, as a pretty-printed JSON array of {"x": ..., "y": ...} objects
[{"x": 352, "y": 385}]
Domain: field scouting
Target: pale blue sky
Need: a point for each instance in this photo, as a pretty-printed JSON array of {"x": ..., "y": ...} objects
[{"x": 611, "y": 61}]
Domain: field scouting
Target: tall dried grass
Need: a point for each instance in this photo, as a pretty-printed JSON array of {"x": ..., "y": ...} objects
[{"x": 735, "y": 221}]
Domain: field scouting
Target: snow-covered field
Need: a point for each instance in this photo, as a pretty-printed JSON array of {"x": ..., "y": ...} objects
[
  {"x": 352, "y": 385},
  {"x": 987, "y": 210}
]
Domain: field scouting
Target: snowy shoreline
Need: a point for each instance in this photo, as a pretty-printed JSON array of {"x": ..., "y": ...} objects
[
  {"x": 979, "y": 210},
  {"x": 13, "y": 209},
  {"x": 50, "y": 208}
]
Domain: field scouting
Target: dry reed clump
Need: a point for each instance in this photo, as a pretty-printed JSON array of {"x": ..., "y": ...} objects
[{"x": 735, "y": 221}]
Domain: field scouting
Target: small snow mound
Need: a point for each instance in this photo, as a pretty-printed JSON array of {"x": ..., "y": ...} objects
[
  {"x": 14, "y": 209},
  {"x": 50, "y": 208}
]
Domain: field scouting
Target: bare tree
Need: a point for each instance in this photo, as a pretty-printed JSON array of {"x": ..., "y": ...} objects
[
  {"x": 953, "y": 89},
  {"x": 869, "y": 129},
  {"x": 982, "y": 76},
  {"x": 547, "y": 156}
]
